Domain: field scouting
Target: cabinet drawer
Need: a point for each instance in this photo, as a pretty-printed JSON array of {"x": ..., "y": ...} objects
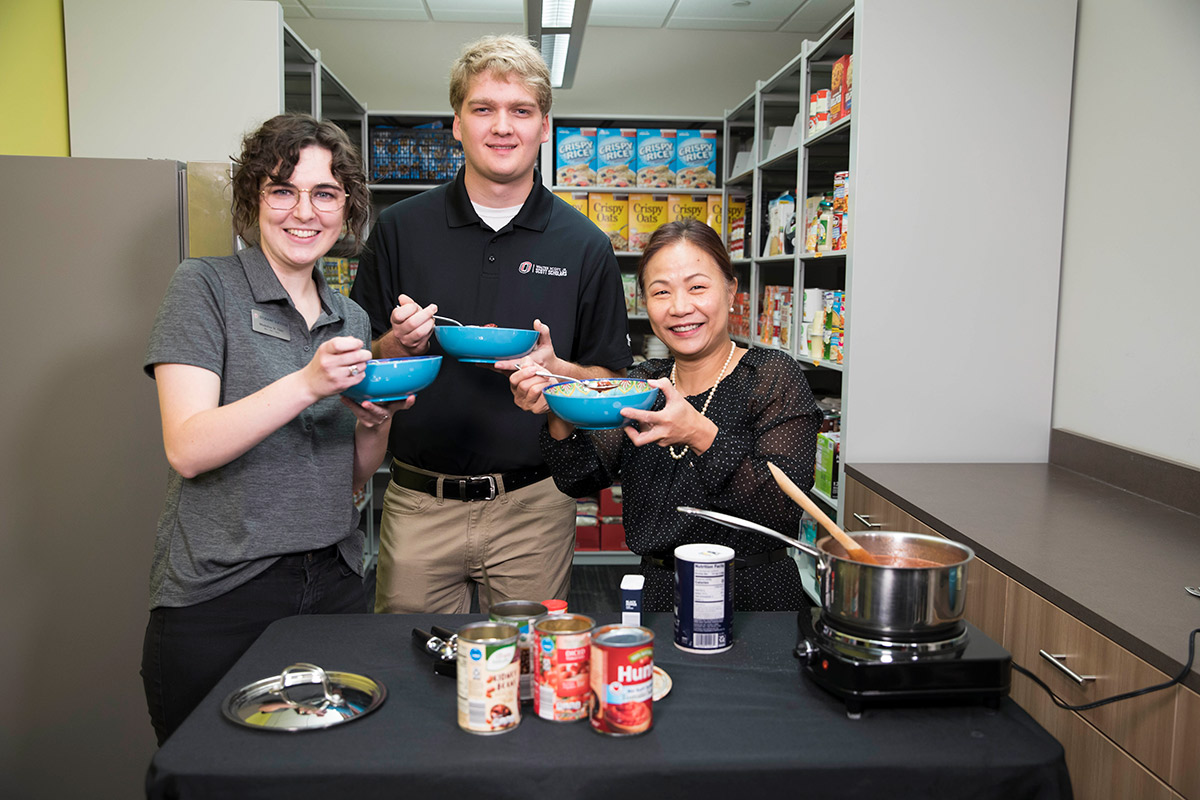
[
  {"x": 987, "y": 596},
  {"x": 1144, "y": 726},
  {"x": 874, "y": 509},
  {"x": 1185, "y": 763},
  {"x": 1100, "y": 770}
]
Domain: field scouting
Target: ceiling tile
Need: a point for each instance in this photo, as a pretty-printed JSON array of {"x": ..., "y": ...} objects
[
  {"x": 477, "y": 10},
  {"x": 758, "y": 15},
  {"x": 630, "y": 13},
  {"x": 345, "y": 12},
  {"x": 816, "y": 16}
]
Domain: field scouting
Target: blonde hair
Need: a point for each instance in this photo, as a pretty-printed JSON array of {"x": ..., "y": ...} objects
[{"x": 507, "y": 56}]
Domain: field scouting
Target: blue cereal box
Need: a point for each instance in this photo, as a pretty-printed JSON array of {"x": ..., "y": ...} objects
[
  {"x": 575, "y": 153},
  {"x": 616, "y": 156},
  {"x": 655, "y": 158},
  {"x": 696, "y": 159}
]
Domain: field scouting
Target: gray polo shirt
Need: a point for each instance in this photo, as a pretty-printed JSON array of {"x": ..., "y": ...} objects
[{"x": 292, "y": 491}]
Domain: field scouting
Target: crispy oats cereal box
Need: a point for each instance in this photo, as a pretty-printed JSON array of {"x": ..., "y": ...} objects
[
  {"x": 616, "y": 156},
  {"x": 575, "y": 150},
  {"x": 687, "y": 206},
  {"x": 715, "y": 207},
  {"x": 646, "y": 213},
  {"x": 610, "y": 212},
  {"x": 577, "y": 200},
  {"x": 655, "y": 157},
  {"x": 696, "y": 159}
]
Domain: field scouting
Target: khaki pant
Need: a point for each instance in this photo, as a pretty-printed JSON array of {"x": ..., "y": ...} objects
[{"x": 431, "y": 549}]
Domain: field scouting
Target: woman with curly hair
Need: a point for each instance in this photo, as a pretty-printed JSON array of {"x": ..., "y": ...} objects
[{"x": 250, "y": 353}]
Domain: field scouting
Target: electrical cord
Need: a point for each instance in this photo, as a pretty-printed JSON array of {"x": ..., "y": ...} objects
[{"x": 1124, "y": 696}]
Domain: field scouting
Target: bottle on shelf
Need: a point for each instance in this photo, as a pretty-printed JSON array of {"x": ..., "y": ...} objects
[{"x": 825, "y": 227}]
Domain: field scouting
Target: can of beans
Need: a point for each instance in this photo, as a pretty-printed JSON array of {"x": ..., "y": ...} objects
[
  {"x": 622, "y": 671},
  {"x": 561, "y": 648},
  {"x": 489, "y": 670},
  {"x": 521, "y": 613},
  {"x": 703, "y": 598}
]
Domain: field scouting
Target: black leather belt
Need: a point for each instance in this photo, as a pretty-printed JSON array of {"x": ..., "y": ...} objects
[
  {"x": 466, "y": 488},
  {"x": 739, "y": 562}
]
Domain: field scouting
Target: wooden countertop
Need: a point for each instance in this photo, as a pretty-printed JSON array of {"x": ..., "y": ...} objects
[{"x": 1114, "y": 560}]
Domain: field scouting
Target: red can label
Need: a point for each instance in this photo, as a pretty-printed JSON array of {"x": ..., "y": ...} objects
[
  {"x": 622, "y": 677},
  {"x": 561, "y": 648}
]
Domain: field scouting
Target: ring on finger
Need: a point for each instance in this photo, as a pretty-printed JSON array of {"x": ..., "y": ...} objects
[{"x": 353, "y": 370}]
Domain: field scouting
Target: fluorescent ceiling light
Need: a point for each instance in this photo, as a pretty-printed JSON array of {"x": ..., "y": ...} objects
[
  {"x": 557, "y": 13},
  {"x": 556, "y": 26},
  {"x": 554, "y": 50}
]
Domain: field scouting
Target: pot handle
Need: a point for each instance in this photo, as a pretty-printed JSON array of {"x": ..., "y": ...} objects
[{"x": 738, "y": 523}]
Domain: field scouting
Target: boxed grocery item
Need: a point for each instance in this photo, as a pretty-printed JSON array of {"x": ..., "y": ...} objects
[
  {"x": 695, "y": 159},
  {"x": 574, "y": 154},
  {"x": 647, "y": 212},
  {"x": 587, "y": 533},
  {"x": 825, "y": 479},
  {"x": 687, "y": 206},
  {"x": 577, "y": 200},
  {"x": 838, "y": 89},
  {"x": 629, "y": 284},
  {"x": 612, "y": 501},
  {"x": 713, "y": 218},
  {"x": 655, "y": 158},
  {"x": 616, "y": 156},
  {"x": 424, "y": 154},
  {"x": 739, "y": 318},
  {"x": 735, "y": 211},
  {"x": 610, "y": 212},
  {"x": 781, "y": 213},
  {"x": 612, "y": 534}
]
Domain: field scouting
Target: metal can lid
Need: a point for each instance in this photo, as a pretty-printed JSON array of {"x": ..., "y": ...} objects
[
  {"x": 488, "y": 632},
  {"x": 621, "y": 636},
  {"x": 564, "y": 623},
  {"x": 704, "y": 553},
  {"x": 555, "y": 606}
]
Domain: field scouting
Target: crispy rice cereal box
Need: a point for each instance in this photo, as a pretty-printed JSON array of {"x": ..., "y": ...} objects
[
  {"x": 696, "y": 159},
  {"x": 655, "y": 158},
  {"x": 616, "y": 156},
  {"x": 577, "y": 200},
  {"x": 575, "y": 150},
  {"x": 610, "y": 212},
  {"x": 646, "y": 213},
  {"x": 687, "y": 206}
]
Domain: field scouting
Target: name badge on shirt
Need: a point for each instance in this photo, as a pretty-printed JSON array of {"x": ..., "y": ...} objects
[{"x": 261, "y": 323}]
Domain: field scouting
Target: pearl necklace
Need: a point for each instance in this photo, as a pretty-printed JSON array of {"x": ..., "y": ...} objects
[{"x": 707, "y": 400}]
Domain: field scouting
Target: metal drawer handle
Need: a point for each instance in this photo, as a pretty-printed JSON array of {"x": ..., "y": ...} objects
[
  {"x": 1057, "y": 660},
  {"x": 866, "y": 520}
]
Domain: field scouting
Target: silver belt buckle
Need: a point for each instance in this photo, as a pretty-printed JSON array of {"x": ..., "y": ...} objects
[{"x": 491, "y": 481}]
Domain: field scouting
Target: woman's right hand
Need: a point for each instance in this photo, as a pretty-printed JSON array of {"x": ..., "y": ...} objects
[{"x": 337, "y": 365}]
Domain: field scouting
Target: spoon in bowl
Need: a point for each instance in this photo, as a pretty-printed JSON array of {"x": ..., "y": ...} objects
[
  {"x": 451, "y": 320},
  {"x": 598, "y": 385}
]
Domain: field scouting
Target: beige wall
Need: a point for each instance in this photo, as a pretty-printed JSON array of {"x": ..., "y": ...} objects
[{"x": 1128, "y": 359}]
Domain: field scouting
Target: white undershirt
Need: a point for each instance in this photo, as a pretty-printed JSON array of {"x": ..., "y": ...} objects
[{"x": 496, "y": 218}]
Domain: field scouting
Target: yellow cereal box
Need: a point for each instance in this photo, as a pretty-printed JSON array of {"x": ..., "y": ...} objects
[
  {"x": 610, "y": 212},
  {"x": 578, "y": 200},
  {"x": 687, "y": 206},
  {"x": 714, "y": 213},
  {"x": 646, "y": 213}
]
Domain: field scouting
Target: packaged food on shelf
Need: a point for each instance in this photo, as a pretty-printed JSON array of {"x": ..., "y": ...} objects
[
  {"x": 577, "y": 200},
  {"x": 775, "y": 316},
  {"x": 813, "y": 304},
  {"x": 825, "y": 478},
  {"x": 841, "y": 200},
  {"x": 610, "y": 212},
  {"x": 687, "y": 206},
  {"x": 423, "y": 154},
  {"x": 838, "y": 88},
  {"x": 616, "y": 156},
  {"x": 780, "y": 212},
  {"x": 655, "y": 158},
  {"x": 825, "y": 227},
  {"x": 695, "y": 164},
  {"x": 713, "y": 218},
  {"x": 587, "y": 533},
  {"x": 647, "y": 212},
  {"x": 739, "y": 318},
  {"x": 818, "y": 123},
  {"x": 612, "y": 534},
  {"x": 574, "y": 153},
  {"x": 735, "y": 212}
]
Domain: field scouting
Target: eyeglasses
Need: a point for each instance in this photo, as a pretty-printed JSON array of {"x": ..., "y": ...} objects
[{"x": 282, "y": 197}]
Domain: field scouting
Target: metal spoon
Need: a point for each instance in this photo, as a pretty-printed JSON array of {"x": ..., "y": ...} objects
[
  {"x": 451, "y": 320},
  {"x": 598, "y": 385},
  {"x": 1193, "y": 590},
  {"x": 753, "y": 527}
]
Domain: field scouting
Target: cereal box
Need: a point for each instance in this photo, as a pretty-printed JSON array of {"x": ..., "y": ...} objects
[
  {"x": 575, "y": 150},
  {"x": 616, "y": 156},
  {"x": 687, "y": 206},
  {"x": 655, "y": 158},
  {"x": 577, "y": 200},
  {"x": 736, "y": 213},
  {"x": 714, "y": 213},
  {"x": 610, "y": 212},
  {"x": 695, "y": 159},
  {"x": 646, "y": 213}
]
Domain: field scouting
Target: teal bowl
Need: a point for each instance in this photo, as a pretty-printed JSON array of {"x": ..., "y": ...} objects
[
  {"x": 388, "y": 379},
  {"x": 485, "y": 344},
  {"x": 590, "y": 410}
]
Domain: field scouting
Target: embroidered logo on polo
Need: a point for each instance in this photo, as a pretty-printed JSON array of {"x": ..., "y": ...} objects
[{"x": 528, "y": 267}]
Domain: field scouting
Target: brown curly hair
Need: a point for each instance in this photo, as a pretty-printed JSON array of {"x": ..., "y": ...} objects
[{"x": 272, "y": 151}]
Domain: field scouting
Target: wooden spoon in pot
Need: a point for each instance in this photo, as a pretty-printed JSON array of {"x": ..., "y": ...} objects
[{"x": 853, "y": 549}]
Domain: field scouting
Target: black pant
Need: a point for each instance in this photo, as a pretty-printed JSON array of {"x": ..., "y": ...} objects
[{"x": 188, "y": 650}]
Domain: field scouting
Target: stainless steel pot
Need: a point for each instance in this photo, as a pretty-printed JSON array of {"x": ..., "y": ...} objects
[{"x": 893, "y": 602}]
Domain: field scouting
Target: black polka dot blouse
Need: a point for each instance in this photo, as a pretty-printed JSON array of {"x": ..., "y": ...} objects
[{"x": 764, "y": 411}]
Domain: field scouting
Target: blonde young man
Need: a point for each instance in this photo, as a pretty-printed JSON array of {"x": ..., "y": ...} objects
[{"x": 469, "y": 487}]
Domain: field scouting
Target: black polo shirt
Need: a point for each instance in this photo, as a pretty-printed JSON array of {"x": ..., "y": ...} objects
[{"x": 549, "y": 263}]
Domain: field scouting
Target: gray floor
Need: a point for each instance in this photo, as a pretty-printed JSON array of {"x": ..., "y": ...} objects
[{"x": 595, "y": 589}]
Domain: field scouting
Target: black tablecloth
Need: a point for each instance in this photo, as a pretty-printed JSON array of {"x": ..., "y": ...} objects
[{"x": 740, "y": 724}]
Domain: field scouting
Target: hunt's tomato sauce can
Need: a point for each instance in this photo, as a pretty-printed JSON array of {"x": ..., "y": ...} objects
[
  {"x": 561, "y": 647},
  {"x": 622, "y": 680},
  {"x": 489, "y": 670}
]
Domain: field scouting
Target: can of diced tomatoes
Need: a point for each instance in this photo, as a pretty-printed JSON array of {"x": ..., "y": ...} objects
[
  {"x": 489, "y": 669},
  {"x": 561, "y": 647},
  {"x": 521, "y": 613},
  {"x": 622, "y": 671}
]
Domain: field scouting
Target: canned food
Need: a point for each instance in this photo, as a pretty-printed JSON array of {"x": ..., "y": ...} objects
[
  {"x": 489, "y": 670},
  {"x": 561, "y": 647},
  {"x": 704, "y": 598},
  {"x": 521, "y": 613},
  {"x": 622, "y": 672}
]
